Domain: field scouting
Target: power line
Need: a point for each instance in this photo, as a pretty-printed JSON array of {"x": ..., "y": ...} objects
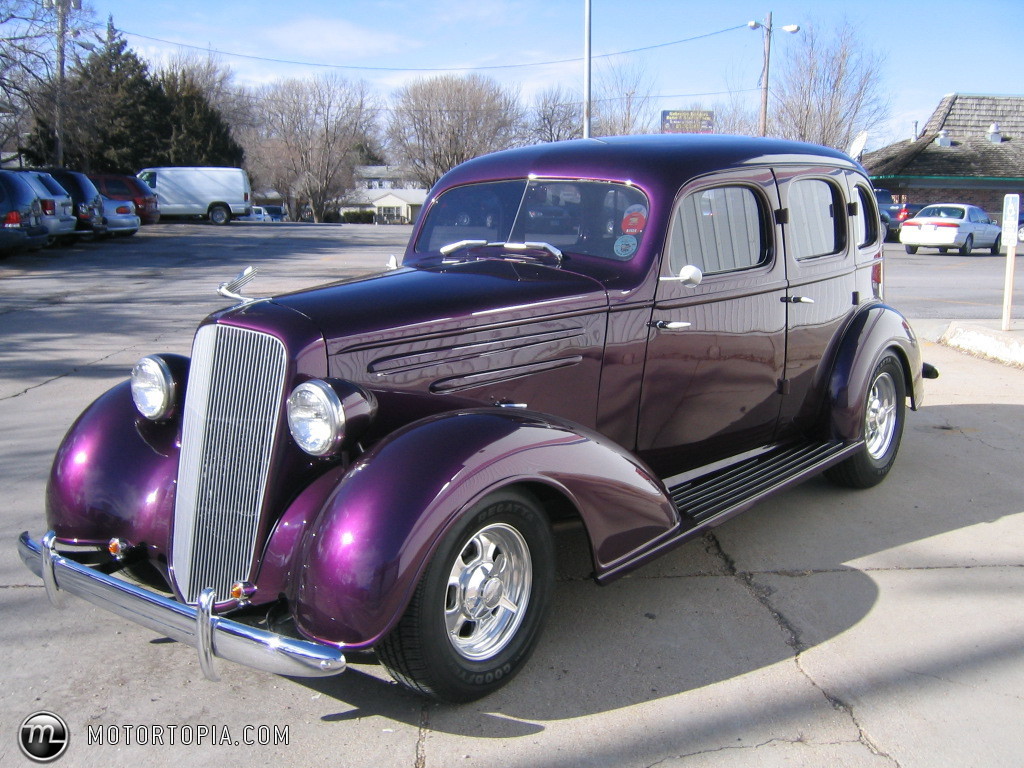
[{"x": 428, "y": 69}]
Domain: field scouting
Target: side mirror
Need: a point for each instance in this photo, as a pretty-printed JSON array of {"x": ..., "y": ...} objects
[{"x": 689, "y": 275}]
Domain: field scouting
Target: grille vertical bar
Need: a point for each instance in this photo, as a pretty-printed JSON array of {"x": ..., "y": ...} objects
[{"x": 234, "y": 396}]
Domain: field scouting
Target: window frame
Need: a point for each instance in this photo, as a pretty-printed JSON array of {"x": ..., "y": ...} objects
[{"x": 766, "y": 229}]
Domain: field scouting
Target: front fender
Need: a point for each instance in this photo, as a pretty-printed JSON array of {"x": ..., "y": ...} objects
[
  {"x": 874, "y": 331},
  {"x": 362, "y": 557},
  {"x": 113, "y": 475}
]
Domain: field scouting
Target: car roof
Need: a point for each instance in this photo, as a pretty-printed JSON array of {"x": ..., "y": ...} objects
[{"x": 653, "y": 161}]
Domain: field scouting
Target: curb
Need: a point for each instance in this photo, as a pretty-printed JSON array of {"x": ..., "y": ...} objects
[{"x": 1006, "y": 347}]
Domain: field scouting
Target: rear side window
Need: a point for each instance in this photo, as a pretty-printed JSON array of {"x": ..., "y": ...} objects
[
  {"x": 150, "y": 178},
  {"x": 816, "y": 219},
  {"x": 52, "y": 184},
  {"x": 720, "y": 229},
  {"x": 866, "y": 223}
]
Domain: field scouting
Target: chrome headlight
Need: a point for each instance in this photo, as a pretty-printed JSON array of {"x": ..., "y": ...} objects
[
  {"x": 321, "y": 414},
  {"x": 153, "y": 388}
]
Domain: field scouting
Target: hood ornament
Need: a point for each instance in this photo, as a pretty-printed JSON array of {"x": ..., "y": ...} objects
[{"x": 231, "y": 287}]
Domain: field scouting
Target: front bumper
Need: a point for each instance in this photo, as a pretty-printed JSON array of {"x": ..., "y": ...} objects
[{"x": 212, "y": 636}]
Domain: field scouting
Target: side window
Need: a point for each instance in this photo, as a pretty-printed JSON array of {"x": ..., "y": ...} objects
[
  {"x": 720, "y": 229},
  {"x": 816, "y": 219},
  {"x": 866, "y": 223}
]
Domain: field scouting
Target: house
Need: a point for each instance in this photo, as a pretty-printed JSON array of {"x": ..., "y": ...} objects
[
  {"x": 389, "y": 206},
  {"x": 971, "y": 151}
]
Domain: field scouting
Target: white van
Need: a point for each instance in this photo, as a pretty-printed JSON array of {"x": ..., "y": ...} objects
[{"x": 219, "y": 194}]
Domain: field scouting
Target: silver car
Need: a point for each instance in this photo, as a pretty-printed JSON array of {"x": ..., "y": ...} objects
[
  {"x": 120, "y": 217},
  {"x": 58, "y": 207}
]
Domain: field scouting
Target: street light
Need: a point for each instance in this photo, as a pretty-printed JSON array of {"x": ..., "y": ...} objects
[{"x": 762, "y": 123}]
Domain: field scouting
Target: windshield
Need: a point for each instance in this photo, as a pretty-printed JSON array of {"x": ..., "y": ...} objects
[{"x": 593, "y": 218}]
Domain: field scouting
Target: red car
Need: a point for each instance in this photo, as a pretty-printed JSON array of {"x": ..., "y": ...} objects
[{"x": 119, "y": 187}]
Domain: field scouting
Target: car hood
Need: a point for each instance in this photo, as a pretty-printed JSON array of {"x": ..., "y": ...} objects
[{"x": 413, "y": 302}]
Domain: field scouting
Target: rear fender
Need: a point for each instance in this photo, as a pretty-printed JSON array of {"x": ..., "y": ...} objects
[
  {"x": 877, "y": 329},
  {"x": 362, "y": 557}
]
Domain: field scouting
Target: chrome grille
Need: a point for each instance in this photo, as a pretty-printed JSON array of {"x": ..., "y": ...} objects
[{"x": 234, "y": 396}]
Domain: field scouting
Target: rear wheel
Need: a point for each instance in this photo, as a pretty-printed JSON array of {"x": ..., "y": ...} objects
[
  {"x": 968, "y": 246},
  {"x": 997, "y": 245},
  {"x": 884, "y": 413},
  {"x": 220, "y": 215},
  {"x": 477, "y": 612}
]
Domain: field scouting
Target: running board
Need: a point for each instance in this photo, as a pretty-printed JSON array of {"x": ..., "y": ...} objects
[
  {"x": 712, "y": 498},
  {"x": 742, "y": 484}
]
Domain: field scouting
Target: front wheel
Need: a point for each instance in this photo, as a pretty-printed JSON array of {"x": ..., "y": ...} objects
[
  {"x": 968, "y": 246},
  {"x": 884, "y": 413},
  {"x": 220, "y": 215},
  {"x": 911, "y": 249},
  {"x": 477, "y": 612}
]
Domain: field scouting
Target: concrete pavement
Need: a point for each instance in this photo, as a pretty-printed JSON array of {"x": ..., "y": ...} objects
[{"x": 824, "y": 627}]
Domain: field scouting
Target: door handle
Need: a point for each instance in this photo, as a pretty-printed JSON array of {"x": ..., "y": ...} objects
[
  {"x": 669, "y": 325},
  {"x": 797, "y": 300}
]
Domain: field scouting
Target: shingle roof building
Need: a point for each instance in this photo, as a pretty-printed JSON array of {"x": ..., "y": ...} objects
[{"x": 971, "y": 151}]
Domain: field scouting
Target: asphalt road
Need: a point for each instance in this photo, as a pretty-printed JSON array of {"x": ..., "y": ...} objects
[
  {"x": 824, "y": 627},
  {"x": 932, "y": 285}
]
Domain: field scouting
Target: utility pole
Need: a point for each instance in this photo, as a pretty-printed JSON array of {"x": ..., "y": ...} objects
[
  {"x": 63, "y": 8},
  {"x": 586, "y": 69}
]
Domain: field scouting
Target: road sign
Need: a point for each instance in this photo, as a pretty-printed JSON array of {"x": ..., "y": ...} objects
[{"x": 1011, "y": 213}]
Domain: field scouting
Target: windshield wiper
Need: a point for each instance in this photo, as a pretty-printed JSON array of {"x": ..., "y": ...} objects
[{"x": 551, "y": 255}]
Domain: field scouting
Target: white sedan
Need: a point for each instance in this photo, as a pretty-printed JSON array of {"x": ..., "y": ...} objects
[{"x": 951, "y": 225}]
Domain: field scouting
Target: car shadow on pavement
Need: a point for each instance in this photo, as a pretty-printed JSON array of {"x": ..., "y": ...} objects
[{"x": 788, "y": 576}]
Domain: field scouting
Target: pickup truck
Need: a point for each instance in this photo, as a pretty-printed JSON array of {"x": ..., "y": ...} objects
[{"x": 897, "y": 213}]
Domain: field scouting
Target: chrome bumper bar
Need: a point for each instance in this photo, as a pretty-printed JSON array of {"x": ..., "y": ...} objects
[{"x": 212, "y": 636}]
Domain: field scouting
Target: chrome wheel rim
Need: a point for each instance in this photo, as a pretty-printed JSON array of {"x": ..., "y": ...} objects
[
  {"x": 881, "y": 416},
  {"x": 488, "y": 591}
]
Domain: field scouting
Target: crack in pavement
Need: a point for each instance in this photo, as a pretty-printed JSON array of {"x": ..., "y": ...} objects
[{"x": 792, "y": 638}]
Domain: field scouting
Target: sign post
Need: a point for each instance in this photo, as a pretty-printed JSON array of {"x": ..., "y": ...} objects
[{"x": 1011, "y": 214}]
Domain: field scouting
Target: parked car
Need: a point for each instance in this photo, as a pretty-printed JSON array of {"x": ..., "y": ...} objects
[
  {"x": 217, "y": 194},
  {"x": 120, "y": 187},
  {"x": 120, "y": 217},
  {"x": 58, "y": 209},
  {"x": 21, "y": 215},
  {"x": 896, "y": 213},
  {"x": 951, "y": 225},
  {"x": 276, "y": 212},
  {"x": 88, "y": 203},
  {"x": 257, "y": 214},
  {"x": 378, "y": 462}
]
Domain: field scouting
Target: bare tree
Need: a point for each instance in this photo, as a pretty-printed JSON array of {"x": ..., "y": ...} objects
[
  {"x": 557, "y": 116},
  {"x": 311, "y": 135},
  {"x": 829, "y": 89},
  {"x": 623, "y": 101},
  {"x": 442, "y": 121},
  {"x": 34, "y": 38},
  {"x": 216, "y": 80}
]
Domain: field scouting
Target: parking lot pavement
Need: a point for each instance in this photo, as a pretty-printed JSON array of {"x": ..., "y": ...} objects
[{"x": 823, "y": 627}]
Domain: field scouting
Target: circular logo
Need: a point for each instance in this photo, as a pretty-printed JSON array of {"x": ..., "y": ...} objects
[{"x": 43, "y": 737}]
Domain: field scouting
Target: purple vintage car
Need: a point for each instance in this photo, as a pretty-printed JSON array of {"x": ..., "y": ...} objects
[{"x": 645, "y": 335}]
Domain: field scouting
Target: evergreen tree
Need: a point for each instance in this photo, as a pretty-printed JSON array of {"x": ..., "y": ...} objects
[
  {"x": 115, "y": 116},
  {"x": 199, "y": 134}
]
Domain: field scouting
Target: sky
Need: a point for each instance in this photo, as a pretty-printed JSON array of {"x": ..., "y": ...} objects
[{"x": 692, "y": 53}]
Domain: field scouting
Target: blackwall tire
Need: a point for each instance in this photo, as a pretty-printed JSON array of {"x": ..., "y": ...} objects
[
  {"x": 477, "y": 612},
  {"x": 968, "y": 246},
  {"x": 884, "y": 415},
  {"x": 220, "y": 215}
]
